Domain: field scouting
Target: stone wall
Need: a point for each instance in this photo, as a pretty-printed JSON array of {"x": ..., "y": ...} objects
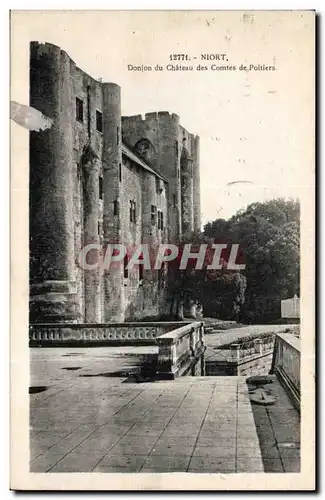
[
  {"x": 286, "y": 364},
  {"x": 181, "y": 351},
  {"x": 67, "y": 162},
  {"x": 169, "y": 139},
  {"x": 53, "y": 290},
  {"x": 258, "y": 364}
]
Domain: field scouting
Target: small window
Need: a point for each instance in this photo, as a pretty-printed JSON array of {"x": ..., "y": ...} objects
[
  {"x": 98, "y": 227},
  {"x": 153, "y": 215},
  {"x": 174, "y": 200},
  {"x": 99, "y": 121},
  {"x": 117, "y": 135},
  {"x": 100, "y": 188},
  {"x": 79, "y": 110},
  {"x": 120, "y": 171},
  {"x": 126, "y": 271},
  {"x": 176, "y": 148},
  {"x": 116, "y": 207},
  {"x": 160, "y": 220},
  {"x": 132, "y": 211},
  {"x": 159, "y": 185},
  {"x": 161, "y": 275},
  {"x": 140, "y": 272}
]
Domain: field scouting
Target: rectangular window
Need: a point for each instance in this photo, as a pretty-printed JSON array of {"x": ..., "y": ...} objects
[
  {"x": 100, "y": 185},
  {"x": 161, "y": 275},
  {"x": 126, "y": 271},
  {"x": 174, "y": 200},
  {"x": 99, "y": 121},
  {"x": 159, "y": 185},
  {"x": 132, "y": 211},
  {"x": 176, "y": 148},
  {"x": 153, "y": 215},
  {"x": 160, "y": 220},
  {"x": 120, "y": 172},
  {"x": 118, "y": 135},
  {"x": 116, "y": 207},
  {"x": 140, "y": 272},
  {"x": 79, "y": 110}
]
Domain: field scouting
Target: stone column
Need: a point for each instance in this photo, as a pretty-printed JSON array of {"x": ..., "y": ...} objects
[
  {"x": 91, "y": 208},
  {"x": 258, "y": 346},
  {"x": 196, "y": 185},
  {"x": 187, "y": 196},
  {"x": 112, "y": 162},
  {"x": 52, "y": 259}
]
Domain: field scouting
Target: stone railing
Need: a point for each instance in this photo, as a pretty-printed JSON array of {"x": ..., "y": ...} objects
[
  {"x": 239, "y": 352},
  {"x": 132, "y": 333},
  {"x": 181, "y": 351},
  {"x": 286, "y": 364}
]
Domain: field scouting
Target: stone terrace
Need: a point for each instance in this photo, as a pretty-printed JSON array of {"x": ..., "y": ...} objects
[{"x": 88, "y": 420}]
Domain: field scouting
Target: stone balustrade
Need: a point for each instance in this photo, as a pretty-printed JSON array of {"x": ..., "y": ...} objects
[
  {"x": 132, "y": 333},
  {"x": 181, "y": 351},
  {"x": 262, "y": 346},
  {"x": 286, "y": 364}
]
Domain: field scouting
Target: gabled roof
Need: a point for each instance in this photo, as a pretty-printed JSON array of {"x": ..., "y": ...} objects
[{"x": 132, "y": 155}]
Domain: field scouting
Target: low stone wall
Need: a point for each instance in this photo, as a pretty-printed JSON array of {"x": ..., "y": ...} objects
[
  {"x": 181, "y": 351},
  {"x": 257, "y": 364},
  {"x": 131, "y": 333},
  {"x": 286, "y": 364},
  {"x": 251, "y": 358}
]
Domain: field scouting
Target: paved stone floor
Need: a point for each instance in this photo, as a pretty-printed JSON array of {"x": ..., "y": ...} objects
[
  {"x": 278, "y": 429},
  {"x": 88, "y": 419}
]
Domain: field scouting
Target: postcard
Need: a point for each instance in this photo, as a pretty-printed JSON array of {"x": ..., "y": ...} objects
[{"x": 162, "y": 242}]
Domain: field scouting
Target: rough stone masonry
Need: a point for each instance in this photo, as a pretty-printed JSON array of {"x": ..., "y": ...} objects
[{"x": 98, "y": 177}]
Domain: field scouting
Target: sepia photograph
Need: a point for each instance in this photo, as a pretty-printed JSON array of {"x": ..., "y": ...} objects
[{"x": 163, "y": 188}]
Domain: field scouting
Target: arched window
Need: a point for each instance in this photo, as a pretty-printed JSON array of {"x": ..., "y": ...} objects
[{"x": 145, "y": 148}]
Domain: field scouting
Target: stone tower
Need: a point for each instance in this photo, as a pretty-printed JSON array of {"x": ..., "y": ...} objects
[
  {"x": 89, "y": 188},
  {"x": 70, "y": 164},
  {"x": 52, "y": 288},
  {"x": 174, "y": 152}
]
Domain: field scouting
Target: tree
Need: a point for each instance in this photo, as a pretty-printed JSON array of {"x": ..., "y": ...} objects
[
  {"x": 219, "y": 292},
  {"x": 268, "y": 235}
]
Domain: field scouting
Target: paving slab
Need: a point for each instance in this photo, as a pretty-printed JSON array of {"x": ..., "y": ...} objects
[
  {"x": 108, "y": 424},
  {"x": 278, "y": 429}
]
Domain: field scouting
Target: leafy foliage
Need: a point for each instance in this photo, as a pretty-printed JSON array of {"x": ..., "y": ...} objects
[{"x": 269, "y": 237}]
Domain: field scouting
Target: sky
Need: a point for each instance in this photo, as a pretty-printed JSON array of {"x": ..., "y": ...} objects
[{"x": 254, "y": 126}]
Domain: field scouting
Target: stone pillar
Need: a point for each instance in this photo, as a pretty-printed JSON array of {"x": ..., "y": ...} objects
[
  {"x": 167, "y": 358},
  {"x": 235, "y": 352},
  {"x": 196, "y": 185},
  {"x": 90, "y": 211},
  {"x": 187, "y": 196},
  {"x": 52, "y": 259},
  {"x": 112, "y": 163},
  {"x": 150, "y": 238},
  {"x": 258, "y": 346},
  {"x": 168, "y": 144}
]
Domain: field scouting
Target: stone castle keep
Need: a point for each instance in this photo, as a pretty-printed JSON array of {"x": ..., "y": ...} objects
[{"x": 98, "y": 177}]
